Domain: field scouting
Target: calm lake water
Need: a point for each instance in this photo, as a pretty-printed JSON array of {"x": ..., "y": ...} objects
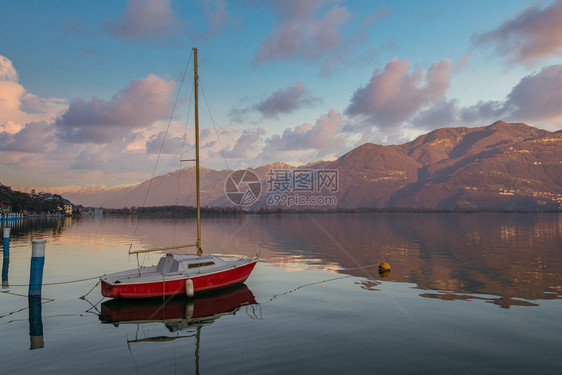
[{"x": 467, "y": 293}]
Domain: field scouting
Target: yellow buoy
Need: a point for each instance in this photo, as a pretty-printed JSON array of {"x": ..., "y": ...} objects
[{"x": 383, "y": 267}]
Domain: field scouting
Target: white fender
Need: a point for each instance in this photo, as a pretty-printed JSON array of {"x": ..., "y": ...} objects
[{"x": 189, "y": 291}]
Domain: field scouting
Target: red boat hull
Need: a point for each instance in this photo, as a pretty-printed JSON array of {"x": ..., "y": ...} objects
[{"x": 201, "y": 283}]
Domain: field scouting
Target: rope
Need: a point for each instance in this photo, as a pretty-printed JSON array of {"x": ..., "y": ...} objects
[
  {"x": 177, "y": 235},
  {"x": 216, "y": 131},
  {"x": 161, "y": 147},
  {"x": 335, "y": 269},
  {"x": 275, "y": 296},
  {"x": 46, "y": 300},
  {"x": 93, "y": 306},
  {"x": 84, "y": 296},
  {"x": 60, "y": 282},
  {"x": 205, "y": 110},
  {"x": 367, "y": 274}
]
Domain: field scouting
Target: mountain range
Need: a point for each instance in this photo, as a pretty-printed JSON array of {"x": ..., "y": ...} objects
[{"x": 500, "y": 166}]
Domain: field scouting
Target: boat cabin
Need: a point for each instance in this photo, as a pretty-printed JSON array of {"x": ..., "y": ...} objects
[{"x": 177, "y": 263}]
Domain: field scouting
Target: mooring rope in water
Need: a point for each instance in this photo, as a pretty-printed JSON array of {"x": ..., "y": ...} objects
[
  {"x": 275, "y": 296},
  {"x": 94, "y": 306},
  {"x": 61, "y": 282},
  {"x": 312, "y": 268},
  {"x": 85, "y": 295},
  {"x": 43, "y": 301},
  {"x": 369, "y": 276}
]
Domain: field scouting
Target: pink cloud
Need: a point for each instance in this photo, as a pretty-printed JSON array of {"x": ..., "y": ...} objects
[
  {"x": 299, "y": 33},
  {"x": 35, "y": 137},
  {"x": 320, "y": 138},
  {"x": 442, "y": 114},
  {"x": 137, "y": 106},
  {"x": 286, "y": 101},
  {"x": 31, "y": 103},
  {"x": 7, "y": 71},
  {"x": 354, "y": 41},
  {"x": 461, "y": 64},
  {"x": 537, "y": 97},
  {"x": 217, "y": 16},
  {"x": 17, "y": 106},
  {"x": 166, "y": 144},
  {"x": 282, "y": 101},
  {"x": 393, "y": 96},
  {"x": 146, "y": 19},
  {"x": 531, "y": 36},
  {"x": 246, "y": 144}
]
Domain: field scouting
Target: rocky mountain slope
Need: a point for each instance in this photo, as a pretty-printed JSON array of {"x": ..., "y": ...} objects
[
  {"x": 498, "y": 166},
  {"x": 503, "y": 165}
]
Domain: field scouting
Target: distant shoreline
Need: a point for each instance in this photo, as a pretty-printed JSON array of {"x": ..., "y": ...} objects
[{"x": 183, "y": 211}]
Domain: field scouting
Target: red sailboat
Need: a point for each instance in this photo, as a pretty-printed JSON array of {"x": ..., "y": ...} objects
[{"x": 175, "y": 274}]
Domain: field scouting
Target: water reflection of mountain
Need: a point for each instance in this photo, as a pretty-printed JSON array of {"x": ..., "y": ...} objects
[{"x": 509, "y": 255}]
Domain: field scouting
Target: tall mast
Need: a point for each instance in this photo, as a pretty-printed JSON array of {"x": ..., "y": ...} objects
[{"x": 197, "y": 182}]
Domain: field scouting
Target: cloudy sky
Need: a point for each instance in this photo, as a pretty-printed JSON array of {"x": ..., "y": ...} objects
[{"x": 88, "y": 89}]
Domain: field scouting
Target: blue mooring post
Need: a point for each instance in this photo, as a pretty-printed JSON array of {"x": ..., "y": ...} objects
[
  {"x": 37, "y": 262},
  {"x": 35, "y": 323},
  {"x": 6, "y": 258}
]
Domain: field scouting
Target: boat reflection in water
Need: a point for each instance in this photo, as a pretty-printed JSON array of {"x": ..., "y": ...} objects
[{"x": 179, "y": 312}]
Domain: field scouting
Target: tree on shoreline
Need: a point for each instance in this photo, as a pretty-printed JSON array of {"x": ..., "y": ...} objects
[{"x": 17, "y": 201}]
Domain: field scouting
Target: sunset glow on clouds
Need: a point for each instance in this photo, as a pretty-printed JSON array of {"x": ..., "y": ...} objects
[
  {"x": 86, "y": 92},
  {"x": 17, "y": 107}
]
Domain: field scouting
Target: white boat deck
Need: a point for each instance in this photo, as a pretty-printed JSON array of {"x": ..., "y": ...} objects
[{"x": 171, "y": 267}]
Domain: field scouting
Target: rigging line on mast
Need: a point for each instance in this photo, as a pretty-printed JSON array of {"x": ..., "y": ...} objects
[
  {"x": 235, "y": 234},
  {"x": 184, "y": 141},
  {"x": 167, "y": 130},
  {"x": 236, "y": 143},
  {"x": 160, "y": 151},
  {"x": 214, "y": 127}
]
